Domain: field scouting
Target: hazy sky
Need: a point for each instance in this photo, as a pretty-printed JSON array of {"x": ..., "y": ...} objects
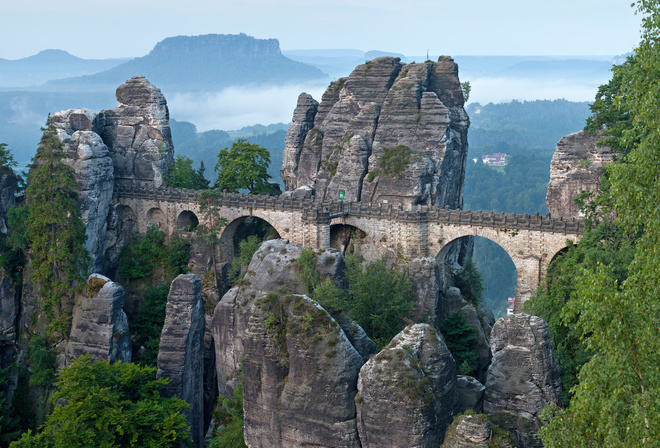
[{"x": 129, "y": 28}]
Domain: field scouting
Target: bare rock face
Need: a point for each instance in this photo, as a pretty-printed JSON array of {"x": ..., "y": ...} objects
[
  {"x": 475, "y": 431},
  {"x": 300, "y": 375},
  {"x": 523, "y": 377},
  {"x": 470, "y": 394},
  {"x": 407, "y": 393},
  {"x": 576, "y": 166},
  {"x": 99, "y": 325},
  {"x": 89, "y": 157},
  {"x": 181, "y": 350},
  {"x": 388, "y": 132},
  {"x": 272, "y": 269},
  {"x": 137, "y": 132},
  {"x": 9, "y": 309}
]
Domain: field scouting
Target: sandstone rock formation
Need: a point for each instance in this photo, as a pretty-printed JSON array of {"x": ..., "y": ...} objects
[
  {"x": 99, "y": 325},
  {"x": 272, "y": 269},
  {"x": 89, "y": 156},
  {"x": 576, "y": 166},
  {"x": 181, "y": 350},
  {"x": 299, "y": 376},
  {"x": 388, "y": 132},
  {"x": 523, "y": 377},
  {"x": 470, "y": 394},
  {"x": 407, "y": 393},
  {"x": 137, "y": 132},
  {"x": 475, "y": 431}
]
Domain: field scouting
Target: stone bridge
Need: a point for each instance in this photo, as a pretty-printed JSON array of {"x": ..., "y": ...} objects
[{"x": 420, "y": 231}]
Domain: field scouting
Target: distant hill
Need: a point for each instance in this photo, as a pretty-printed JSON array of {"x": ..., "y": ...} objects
[
  {"x": 201, "y": 63},
  {"x": 48, "y": 65}
]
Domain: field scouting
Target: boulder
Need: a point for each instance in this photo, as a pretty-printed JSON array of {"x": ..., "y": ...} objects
[
  {"x": 99, "y": 326},
  {"x": 407, "y": 393},
  {"x": 181, "y": 350},
  {"x": 137, "y": 133},
  {"x": 470, "y": 393},
  {"x": 577, "y": 165},
  {"x": 523, "y": 377},
  {"x": 388, "y": 132},
  {"x": 476, "y": 431},
  {"x": 272, "y": 269},
  {"x": 300, "y": 375}
]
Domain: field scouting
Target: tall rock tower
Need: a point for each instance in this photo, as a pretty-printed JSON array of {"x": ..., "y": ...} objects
[{"x": 389, "y": 132}]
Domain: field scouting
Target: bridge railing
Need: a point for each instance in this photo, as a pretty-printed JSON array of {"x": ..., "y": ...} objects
[{"x": 395, "y": 212}]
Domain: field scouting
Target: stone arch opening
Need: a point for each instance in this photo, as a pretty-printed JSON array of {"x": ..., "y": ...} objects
[
  {"x": 496, "y": 267},
  {"x": 344, "y": 237},
  {"x": 241, "y": 229},
  {"x": 156, "y": 216},
  {"x": 187, "y": 221}
]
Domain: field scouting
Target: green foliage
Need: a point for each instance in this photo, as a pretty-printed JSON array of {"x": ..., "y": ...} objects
[
  {"x": 306, "y": 271},
  {"x": 41, "y": 358},
  {"x": 468, "y": 280},
  {"x": 244, "y": 167},
  {"x": 229, "y": 414},
  {"x": 55, "y": 228},
  {"x": 247, "y": 248},
  {"x": 147, "y": 325},
  {"x": 178, "y": 255},
  {"x": 7, "y": 161},
  {"x": 617, "y": 400},
  {"x": 210, "y": 202},
  {"x": 330, "y": 297},
  {"x": 110, "y": 405},
  {"x": 460, "y": 338},
  {"x": 9, "y": 424},
  {"x": 183, "y": 175},
  {"x": 466, "y": 88},
  {"x": 395, "y": 160},
  {"x": 380, "y": 299},
  {"x": 14, "y": 245},
  {"x": 141, "y": 255}
]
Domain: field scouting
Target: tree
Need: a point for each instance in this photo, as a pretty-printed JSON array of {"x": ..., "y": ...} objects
[
  {"x": 244, "y": 167},
  {"x": 207, "y": 234},
  {"x": 617, "y": 400},
  {"x": 183, "y": 175},
  {"x": 229, "y": 413},
  {"x": 110, "y": 405},
  {"x": 6, "y": 158},
  {"x": 380, "y": 299},
  {"x": 55, "y": 228},
  {"x": 460, "y": 338}
]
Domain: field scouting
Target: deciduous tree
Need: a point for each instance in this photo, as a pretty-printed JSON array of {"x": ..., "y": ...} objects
[{"x": 244, "y": 166}]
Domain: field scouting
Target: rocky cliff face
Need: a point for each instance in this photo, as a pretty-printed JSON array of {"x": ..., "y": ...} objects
[
  {"x": 79, "y": 130},
  {"x": 99, "y": 325},
  {"x": 299, "y": 376},
  {"x": 137, "y": 132},
  {"x": 8, "y": 186},
  {"x": 475, "y": 431},
  {"x": 181, "y": 350},
  {"x": 387, "y": 132},
  {"x": 523, "y": 377},
  {"x": 577, "y": 165},
  {"x": 407, "y": 393}
]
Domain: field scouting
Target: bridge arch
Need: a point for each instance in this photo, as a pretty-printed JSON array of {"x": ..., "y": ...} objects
[
  {"x": 343, "y": 236},
  {"x": 233, "y": 232},
  {"x": 157, "y": 216},
  {"x": 187, "y": 221}
]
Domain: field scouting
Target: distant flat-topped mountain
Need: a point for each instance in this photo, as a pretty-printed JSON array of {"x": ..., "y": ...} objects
[
  {"x": 47, "y": 65},
  {"x": 198, "y": 63}
]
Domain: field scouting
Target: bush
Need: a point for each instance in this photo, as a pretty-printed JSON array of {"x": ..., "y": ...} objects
[
  {"x": 147, "y": 325},
  {"x": 246, "y": 250},
  {"x": 395, "y": 160},
  {"x": 460, "y": 338},
  {"x": 178, "y": 255},
  {"x": 138, "y": 258},
  {"x": 468, "y": 280}
]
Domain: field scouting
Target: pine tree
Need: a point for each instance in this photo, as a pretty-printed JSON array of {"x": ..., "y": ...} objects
[{"x": 55, "y": 229}]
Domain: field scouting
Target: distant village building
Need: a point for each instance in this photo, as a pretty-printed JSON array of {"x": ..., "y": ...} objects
[
  {"x": 495, "y": 159},
  {"x": 509, "y": 310}
]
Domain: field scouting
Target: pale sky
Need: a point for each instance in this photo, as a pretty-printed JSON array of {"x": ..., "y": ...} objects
[{"x": 131, "y": 28}]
